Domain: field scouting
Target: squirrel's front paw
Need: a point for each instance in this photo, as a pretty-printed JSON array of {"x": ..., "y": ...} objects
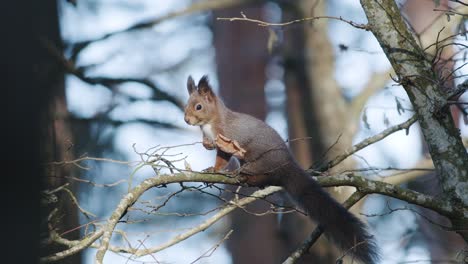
[{"x": 208, "y": 144}]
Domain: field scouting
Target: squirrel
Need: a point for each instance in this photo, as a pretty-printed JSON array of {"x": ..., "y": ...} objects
[{"x": 265, "y": 160}]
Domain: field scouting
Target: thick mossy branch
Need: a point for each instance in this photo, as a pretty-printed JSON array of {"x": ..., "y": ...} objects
[{"x": 368, "y": 187}]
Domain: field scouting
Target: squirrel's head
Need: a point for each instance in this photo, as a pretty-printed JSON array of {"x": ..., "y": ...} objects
[{"x": 201, "y": 105}]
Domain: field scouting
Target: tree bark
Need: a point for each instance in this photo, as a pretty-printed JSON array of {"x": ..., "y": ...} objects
[
  {"x": 431, "y": 26},
  {"x": 56, "y": 135},
  {"x": 27, "y": 97},
  {"x": 415, "y": 73}
]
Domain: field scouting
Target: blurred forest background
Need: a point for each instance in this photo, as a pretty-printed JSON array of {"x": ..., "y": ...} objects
[{"x": 118, "y": 72}]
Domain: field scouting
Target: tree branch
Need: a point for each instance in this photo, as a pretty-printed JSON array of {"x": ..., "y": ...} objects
[
  {"x": 115, "y": 122},
  {"x": 368, "y": 141},
  {"x": 234, "y": 204},
  {"x": 363, "y": 185},
  {"x": 109, "y": 82},
  {"x": 136, "y": 192},
  {"x": 402, "y": 177},
  {"x": 301, "y": 20},
  {"x": 84, "y": 243},
  {"x": 369, "y": 187}
]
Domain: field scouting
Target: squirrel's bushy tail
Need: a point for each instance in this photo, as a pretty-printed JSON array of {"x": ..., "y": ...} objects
[{"x": 339, "y": 225}]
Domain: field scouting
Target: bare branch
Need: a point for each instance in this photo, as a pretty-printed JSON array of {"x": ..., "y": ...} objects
[
  {"x": 212, "y": 249},
  {"x": 363, "y": 185},
  {"x": 84, "y": 243},
  {"x": 301, "y": 20},
  {"x": 109, "y": 82},
  {"x": 369, "y": 186},
  {"x": 87, "y": 158},
  {"x": 450, "y": 12},
  {"x": 133, "y": 196},
  {"x": 402, "y": 177},
  {"x": 440, "y": 31},
  {"x": 106, "y": 185},
  {"x": 305, "y": 246},
  {"x": 104, "y": 119},
  {"x": 407, "y": 208},
  {"x": 226, "y": 210},
  {"x": 369, "y": 141},
  {"x": 75, "y": 201}
]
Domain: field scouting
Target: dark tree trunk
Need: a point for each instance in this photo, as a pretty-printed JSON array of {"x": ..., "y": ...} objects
[
  {"x": 29, "y": 89},
  {"x": 57, "y": 140}
]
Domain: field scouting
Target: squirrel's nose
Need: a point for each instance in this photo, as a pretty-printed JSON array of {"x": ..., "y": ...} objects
[{"x": 186, "y": 120}]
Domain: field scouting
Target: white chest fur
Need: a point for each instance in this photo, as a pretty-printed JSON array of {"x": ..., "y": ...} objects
[{"x": 208, "y": 131}]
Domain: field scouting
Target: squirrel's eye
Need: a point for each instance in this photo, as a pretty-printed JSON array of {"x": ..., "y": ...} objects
[{"x": 198, "y": 107}]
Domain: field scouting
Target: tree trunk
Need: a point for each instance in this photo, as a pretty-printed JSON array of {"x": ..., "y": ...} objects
[
  {"x": 25, "y": 64},
  {"x": 421, "y": 16},
  {"x": 415, "y": 73},
  {"x": 56, "y": 140}
]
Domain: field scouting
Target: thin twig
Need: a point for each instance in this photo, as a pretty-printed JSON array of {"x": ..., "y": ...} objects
[
  {"x": 84, "y": 243},
  {"x": 213, "y": 248},
  {"x": 301, "y": 20},
  {"x": 75, "y": 201},
  {"x": 203, "y": 226}
]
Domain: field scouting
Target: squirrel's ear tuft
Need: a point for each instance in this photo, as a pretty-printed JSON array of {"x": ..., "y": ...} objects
[
  {"x": 191, "y": 85},
  {"x": 204, "y": 86}
]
